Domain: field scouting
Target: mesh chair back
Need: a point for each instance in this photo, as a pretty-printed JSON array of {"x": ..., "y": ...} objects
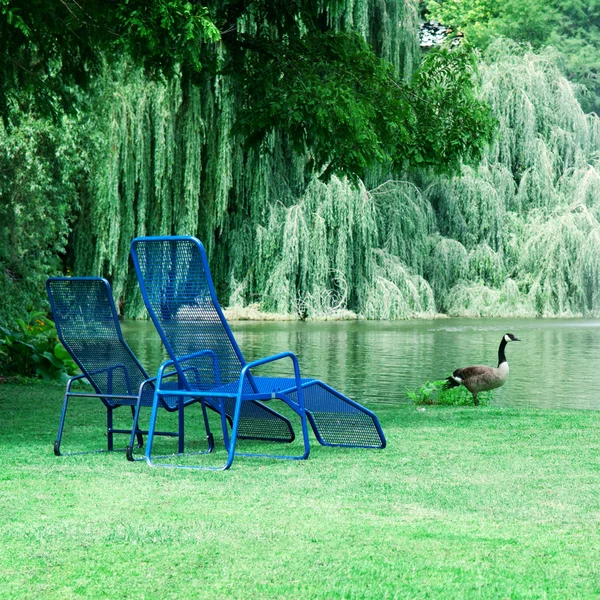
[
  {"x": 178, "y": 291},
  {"x": 88, "y": 326}
]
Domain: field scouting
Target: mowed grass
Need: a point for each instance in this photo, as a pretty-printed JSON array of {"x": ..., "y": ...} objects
[{"x": 463, "y": 503}]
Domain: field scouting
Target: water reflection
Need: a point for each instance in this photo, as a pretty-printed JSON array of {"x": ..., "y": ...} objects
[{"x": 555, "y": 365}]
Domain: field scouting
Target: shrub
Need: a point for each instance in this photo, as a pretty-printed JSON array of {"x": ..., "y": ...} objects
[
  {"x": 32, "y": 349},
  {"x": 433, "y": 392}
]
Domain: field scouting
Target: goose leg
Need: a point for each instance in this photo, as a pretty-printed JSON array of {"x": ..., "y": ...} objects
[{"x": 475, "y": 398}]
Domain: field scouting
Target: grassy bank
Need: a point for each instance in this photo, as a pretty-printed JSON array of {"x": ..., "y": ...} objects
[{"x": 464, "y": 503}]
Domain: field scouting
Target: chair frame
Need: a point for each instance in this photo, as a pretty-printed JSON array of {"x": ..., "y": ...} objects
[
  {"x": 230, "y": 440},
  {"x": 112, "y": 401}
]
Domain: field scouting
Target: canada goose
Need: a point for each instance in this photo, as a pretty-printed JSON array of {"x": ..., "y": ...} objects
[{"x": 480, "y": 378}]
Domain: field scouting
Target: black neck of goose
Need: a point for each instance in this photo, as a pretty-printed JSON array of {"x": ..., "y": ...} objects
[{"x": 501, "y": 355}]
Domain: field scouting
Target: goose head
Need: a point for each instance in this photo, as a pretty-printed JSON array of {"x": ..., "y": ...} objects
[{"x": 509, "y": 337}]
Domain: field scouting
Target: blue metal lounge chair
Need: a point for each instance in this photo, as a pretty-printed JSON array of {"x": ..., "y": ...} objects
[
  {"x": 88, "y": 326},
  {"x": 180, "y": 297}
]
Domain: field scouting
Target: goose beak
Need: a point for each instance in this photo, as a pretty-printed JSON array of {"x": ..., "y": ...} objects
[{"x": 516, "y": 339}]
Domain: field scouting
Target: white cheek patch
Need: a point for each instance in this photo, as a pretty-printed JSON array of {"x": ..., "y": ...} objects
[{"x": 506, "y": 338}]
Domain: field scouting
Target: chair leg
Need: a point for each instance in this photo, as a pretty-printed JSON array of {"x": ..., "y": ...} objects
[
  {"x": 109, "y": 427},
  {"x": 297, "y": 408},
  {"x": 224, "y": 424},
  {"x": 209, "y": 436},
  {"x": 151, "y": 428},
  {"x": 180, "y": 438},
  {"x": 61, "y": 426},
  {"x": 134, "y": 430},
  {"x": 300, "y": 410},
  {"x": 140, "y": 438},
  {"x": 304, "y": 426},
  {"x": 234, "y": 430}
]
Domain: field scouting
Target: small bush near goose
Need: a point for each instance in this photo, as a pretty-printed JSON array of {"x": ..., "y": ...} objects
[{"x": 433, "y": 392}]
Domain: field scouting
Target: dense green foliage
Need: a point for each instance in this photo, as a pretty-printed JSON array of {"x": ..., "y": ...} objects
[
  {"x": 528, "y": 216},
  {"x": 515, "y": 236},
  {"x": 32, "y": 349},
  {"x": 296, "y": 68},
  {"x": 354, "y": 113},
  {"x": 188, "y": 136},
  {"x": 319, "y": 195},
  {"x": 571, "y": 26},
  {"x": 42, "y": 174},
  {"x": 47, "y": 47}
]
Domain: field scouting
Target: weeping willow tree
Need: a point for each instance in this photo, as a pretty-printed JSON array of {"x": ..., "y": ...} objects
[
  {"x": 515, "y": 235},
  {"x": 528, "y": 215},
  {"x": 276, "y": 234},
  {"x": 334, "y": 249}
]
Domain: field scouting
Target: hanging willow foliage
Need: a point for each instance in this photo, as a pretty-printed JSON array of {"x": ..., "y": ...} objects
[
  {"x": 170, "y": 164},
  {"x": 529, "y": 212},
  {"x": 516, "y": 236}
]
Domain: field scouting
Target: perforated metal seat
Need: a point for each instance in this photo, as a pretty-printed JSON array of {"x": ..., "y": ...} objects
[{"x": 180, "y": 297}]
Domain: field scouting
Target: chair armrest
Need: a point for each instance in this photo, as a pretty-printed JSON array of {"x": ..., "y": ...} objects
[
  {"x": 98, "y": 371},
  {"x": 269, "y": 359},
  {"x": 169, "y": 363},
  {"x": 164, "y": 376},
  {"x": 108, "y": 369},
  {"x": 72, "y": 379}
]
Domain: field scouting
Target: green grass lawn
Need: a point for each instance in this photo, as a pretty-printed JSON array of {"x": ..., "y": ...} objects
[{"x": 463, "y": 503}]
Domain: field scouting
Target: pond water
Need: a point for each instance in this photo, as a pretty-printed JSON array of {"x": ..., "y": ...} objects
[{"x": 557, "y": 364}]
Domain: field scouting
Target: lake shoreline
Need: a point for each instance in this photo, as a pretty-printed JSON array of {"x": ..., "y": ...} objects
[{"x": 252, "y": 312}]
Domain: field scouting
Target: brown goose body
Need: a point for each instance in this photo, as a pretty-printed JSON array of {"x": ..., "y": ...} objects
[{"x": 481, "y": 378}]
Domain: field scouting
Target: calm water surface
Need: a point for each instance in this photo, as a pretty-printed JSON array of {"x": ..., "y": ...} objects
[{"x": 557, "y": 364}]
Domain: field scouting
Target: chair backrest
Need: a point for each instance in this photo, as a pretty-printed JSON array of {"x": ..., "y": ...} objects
[
  {"x": 88, "y": 326},
  {"x": 180, "y": 297}
]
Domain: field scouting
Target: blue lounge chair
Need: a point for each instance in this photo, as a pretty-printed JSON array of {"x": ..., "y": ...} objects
[
  {"x": 180, "y": 297},
  {"x": 88, "y": 326}
]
